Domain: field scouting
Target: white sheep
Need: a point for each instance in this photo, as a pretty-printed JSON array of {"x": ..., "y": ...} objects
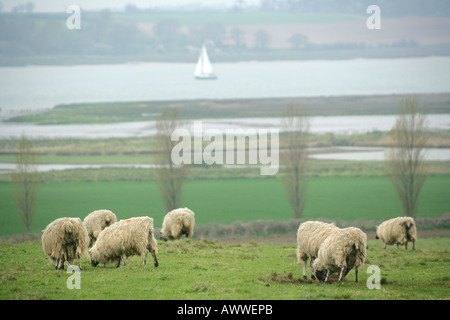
[
  {"x": 65, "y": 239},
  {"x": 176, "y": 223},
  {"x": 398, "y": 231},
  {"x": 341, "y": 251},
  {"x": 96, "y": 221},
  {"x": 134, "y": 236},
  {"x": 310, "y": 236}
]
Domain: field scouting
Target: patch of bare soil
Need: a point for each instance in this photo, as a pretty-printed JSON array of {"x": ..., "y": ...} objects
[
  {"x": 289, "y": 278},
  {"x": 293, "y": 239}
]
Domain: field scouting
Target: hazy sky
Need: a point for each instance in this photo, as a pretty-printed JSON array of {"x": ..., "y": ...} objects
[{"x": 61, "y": 5}]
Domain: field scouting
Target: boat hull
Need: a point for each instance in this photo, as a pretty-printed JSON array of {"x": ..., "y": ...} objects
[{"x": 206, "y": 77}]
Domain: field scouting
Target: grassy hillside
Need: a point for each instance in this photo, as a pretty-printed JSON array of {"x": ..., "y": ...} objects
[
  {"x": 222, "y": 200},
  {"x": 206, "y": 270}
]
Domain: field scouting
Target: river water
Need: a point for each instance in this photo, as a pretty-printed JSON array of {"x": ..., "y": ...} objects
[
  {"x": 318, "y": 124},
  {"x": 41, "y": 87}
]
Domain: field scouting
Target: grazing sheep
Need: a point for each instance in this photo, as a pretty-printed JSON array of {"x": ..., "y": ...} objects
[
  {"x": 176, "y": 223},
  {"x": 341, "y": 251},
  {"x": 310, "y": 236},
  {"x": 65, "y": 239},
  {"x": 96, "y": 221},
  {"x": 399, "y": 230},
  {"x": 129, "y": 237}
]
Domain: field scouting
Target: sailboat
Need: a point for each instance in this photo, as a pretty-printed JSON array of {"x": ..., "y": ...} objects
[{"x": 203, "y": 70}]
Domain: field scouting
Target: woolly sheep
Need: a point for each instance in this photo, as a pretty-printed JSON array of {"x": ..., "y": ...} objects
[
  {"x": 310, "y": 236},
  {"x": 341, "y": 251},
  {"x": 398, "y": 231},
  {"x": 96, "y": 221},
  {"x": 65, "y": 239},
  {"x": 176, "y": 223},
  {"x": 129, "y": 237}
]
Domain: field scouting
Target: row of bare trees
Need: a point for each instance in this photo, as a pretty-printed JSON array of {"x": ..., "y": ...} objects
[{"x": 405, "y": 166}]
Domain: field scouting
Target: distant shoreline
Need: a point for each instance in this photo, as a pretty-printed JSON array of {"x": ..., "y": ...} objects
[
  {"x": 261, "y": 56},
  {"x": 113, "y": 112}
]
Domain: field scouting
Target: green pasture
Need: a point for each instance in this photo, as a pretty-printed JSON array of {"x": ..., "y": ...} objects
[
  {"x": 224, "y": 201},
  {"x": 198, "y": 19},
  {"x": 202, "y": 269}
]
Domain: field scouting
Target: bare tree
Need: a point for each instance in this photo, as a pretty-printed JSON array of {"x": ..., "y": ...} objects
[
  {"x": 262, "y": 39},
  {"x": 296, "y": 127},
  {"x": 25, "y": 179},
  {"x": 406, "y": 154},
  {"x": 170, "y": 177}
]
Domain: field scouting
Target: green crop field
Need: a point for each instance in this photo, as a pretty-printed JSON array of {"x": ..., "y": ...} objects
[
  {"x": 224, "y": 201},
  {"x": 202, "y": 269}
]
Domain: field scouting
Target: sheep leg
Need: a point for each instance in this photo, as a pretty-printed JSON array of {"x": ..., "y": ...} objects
[
  {"x": 118, "y": 263},
  {"x": 385, "y": 245},
  {"x": 123, "y": 260},
  {"x": 312, "y": 269},
  {"x": 326, "y": 277},
  {"x": 57, "y": 264},
  {"x": 304, "y": 269},
  {"x": 356, "y": 273},
  {"x": 155, "y": 261},
  {"x": 61, "y": 263},
  {"x": 79, "y": 263},
  {"x": 406, "y": 245},
  {"x": 414, "y": 244},
  {"x": 144, "y": 258},
  {"x": 341, "y": 273}
]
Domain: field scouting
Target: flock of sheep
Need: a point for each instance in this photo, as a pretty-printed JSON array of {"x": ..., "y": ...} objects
[
  {"x": 330, "y": 249},
  {"x": 109, "y": 240}
]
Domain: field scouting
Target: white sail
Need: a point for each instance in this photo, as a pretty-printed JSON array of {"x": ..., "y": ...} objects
[
  {"x": 206, "y": 66},
  {"x": 199, "y": 67},
  {"x": 204, "y": 69}
]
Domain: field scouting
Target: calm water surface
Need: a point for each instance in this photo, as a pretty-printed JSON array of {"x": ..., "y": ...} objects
[{"x": 39, "y": 87}]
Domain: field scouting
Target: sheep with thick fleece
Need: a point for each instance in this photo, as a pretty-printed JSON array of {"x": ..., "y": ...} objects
[
  {"x": 398, "y": 231},
  {"x": 134, "y": 236},
  {"x": 176, "y": 223},
  {"x": 341, "y": 251},
  {"x": 65, "y": 239},
  {"x": 96, "y": 221},
  {"x": 310, "y": 236}
]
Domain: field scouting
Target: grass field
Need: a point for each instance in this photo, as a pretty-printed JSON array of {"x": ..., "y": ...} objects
[
  {"x": 224, "y": 201},
  {"x": 342, "y": 191},
  {"x": 110, "y": 112},
  {"x": 206, "y": 270},
  {"x": 237, "y": 18}
]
